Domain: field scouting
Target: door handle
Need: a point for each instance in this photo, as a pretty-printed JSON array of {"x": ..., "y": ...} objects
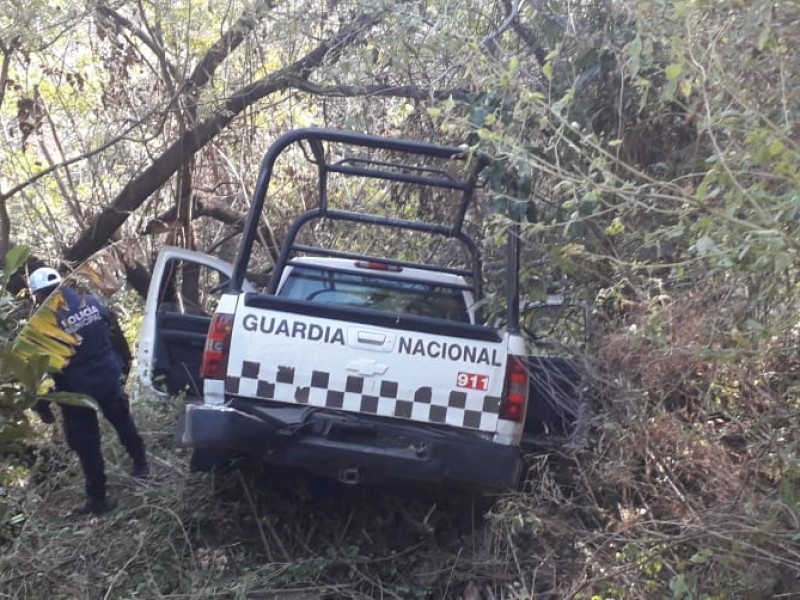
[{"x": 369, "y": 337}]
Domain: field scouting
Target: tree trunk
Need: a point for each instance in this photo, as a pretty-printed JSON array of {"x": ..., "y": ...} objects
[{"x": 97, "y": 234}]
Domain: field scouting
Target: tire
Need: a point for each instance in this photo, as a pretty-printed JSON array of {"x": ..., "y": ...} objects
[{"x": 205, "y": 460}]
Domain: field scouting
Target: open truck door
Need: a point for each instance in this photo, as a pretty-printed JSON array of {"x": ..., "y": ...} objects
[
  {"x": 559, "y": 385},
  {"x": 181, "y": 299}
]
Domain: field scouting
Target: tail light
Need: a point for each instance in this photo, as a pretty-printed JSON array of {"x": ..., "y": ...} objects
[
  {"x": 516, "y": 396},
  {"x": 377, "y": 266},
  {"x": 215, "y": 354}
]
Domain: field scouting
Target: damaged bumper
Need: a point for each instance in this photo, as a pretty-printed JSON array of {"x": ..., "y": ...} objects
[{"x": 352, "y": 448}]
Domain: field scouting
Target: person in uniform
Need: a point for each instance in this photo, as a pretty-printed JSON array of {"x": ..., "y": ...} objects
[{"x": 96, "y": 369}]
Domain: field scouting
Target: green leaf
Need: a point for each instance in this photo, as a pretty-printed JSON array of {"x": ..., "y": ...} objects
[
  {"x": 704, "y": 245},
  {"x": 702, "y": 189},
  {"x": 565, "y": 100},
  {"x": 776, "y": 148},
  {"x": 702, "y": 556},
  {"x": 43, "y": 335},
  {"x": 478, "y": 116},
  {"x": 634, "y": 49},
  {"x": 13, "y": 363},
  {"x": 72, "y": 399},
  {"x": 547, "y": 71},
  {"x": 14, "y": 259},
  {"x": 673, "y": 71},
  {"x": 615, "y": 228},
  {"x": 783, "y": 260},
  {"x": 495, "y": 174},
  {"x": 763, "y": 38},
  {"x": 679, "y": 587},
  {"x": 572, "y": 250},
  {"x": 15, "y": 430}
]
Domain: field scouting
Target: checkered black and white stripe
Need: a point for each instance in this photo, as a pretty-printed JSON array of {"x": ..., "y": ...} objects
[{"x": 467, "y": 408}]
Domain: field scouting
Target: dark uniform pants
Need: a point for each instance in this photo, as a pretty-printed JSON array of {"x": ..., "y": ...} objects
[{"x": 82, "y": 431}]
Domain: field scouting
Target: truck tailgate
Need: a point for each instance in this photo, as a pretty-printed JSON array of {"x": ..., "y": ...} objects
[{"x": 338, "y": 358}]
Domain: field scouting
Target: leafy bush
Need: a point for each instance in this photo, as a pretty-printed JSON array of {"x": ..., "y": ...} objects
[{"x": 28, "y": 355}]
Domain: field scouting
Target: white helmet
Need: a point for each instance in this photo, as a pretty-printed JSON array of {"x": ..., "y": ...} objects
[{"x": 43, "y": 278}]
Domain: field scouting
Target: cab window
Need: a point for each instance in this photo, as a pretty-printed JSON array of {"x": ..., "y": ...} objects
[
  {"x": 186, "y": 287},
  {"x": 373, "y": 292}
]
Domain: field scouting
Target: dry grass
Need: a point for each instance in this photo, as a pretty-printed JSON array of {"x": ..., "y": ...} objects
[
  {"x": 250, "y": 532},
  {"x": 689, "y": 489}
]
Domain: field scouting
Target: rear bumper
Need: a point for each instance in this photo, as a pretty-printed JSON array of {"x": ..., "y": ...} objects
[{"x": 352, "y": 448}]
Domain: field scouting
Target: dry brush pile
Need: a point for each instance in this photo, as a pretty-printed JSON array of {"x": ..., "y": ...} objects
[{"x": 687, "y": 488}]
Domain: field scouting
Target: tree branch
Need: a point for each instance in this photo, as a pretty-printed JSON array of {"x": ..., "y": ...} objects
[
  {"x": 413, "y": 92},
  {"x": 5, "y": 228},
  {"x": 70, "y": 161},
  {"x": 163, "y": 167},
  {"x": 226, "y": 44},
  {"x": 6, "y": 51},
  {"x": 5, "y": 219},
  {"x": 221, "y": 212},
  {"x": 527, "y": 35},
  {"x": 156, "y": 48},
  {"x": 489, "y": 42}
]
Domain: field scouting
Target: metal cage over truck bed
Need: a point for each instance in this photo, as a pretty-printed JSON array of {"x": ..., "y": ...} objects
[{"x": 314, "y": 141}]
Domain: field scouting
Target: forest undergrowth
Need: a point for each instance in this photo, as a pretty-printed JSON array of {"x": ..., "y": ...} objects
[
  {"x": 650, "y": 151},
  {"x": 687, "y": 488}
]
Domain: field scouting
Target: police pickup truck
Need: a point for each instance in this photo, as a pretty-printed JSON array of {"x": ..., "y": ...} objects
[{"x": 356, "y": 365}]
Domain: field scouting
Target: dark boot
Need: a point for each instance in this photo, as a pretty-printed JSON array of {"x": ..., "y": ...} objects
[
  {"x": 140, "y": 469},
  {"x": 95, "y": 506}
]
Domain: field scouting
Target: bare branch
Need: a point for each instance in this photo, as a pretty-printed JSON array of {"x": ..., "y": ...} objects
[
  {"x": 413, "y": 92},
  {"x": 5, "y": 227},
  {"x": 226, "y": 44},
  {"x": 489, "y": 43},
  {"x": 170, "y": 73},
  {"x": 163, "y": 167},
  {"x": 218, "y": 211},
  {"x": 6, "y": 51},
  {"x": 5, "y": 220},
  {"x": 69, "y": 195},
  {"x": 80, "y": 157},
  {"x": 527, "y": 35}
]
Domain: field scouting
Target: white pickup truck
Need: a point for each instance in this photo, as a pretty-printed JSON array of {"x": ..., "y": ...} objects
[{"x": 361, "y": 368}]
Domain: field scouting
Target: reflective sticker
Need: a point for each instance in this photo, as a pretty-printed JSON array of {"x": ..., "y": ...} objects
[
  {"x": 472, "y": 381},
  {"x": 464, "y": 407}
]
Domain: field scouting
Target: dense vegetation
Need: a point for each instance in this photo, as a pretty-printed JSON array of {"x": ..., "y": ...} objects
[{"x": 650, "y": 150}]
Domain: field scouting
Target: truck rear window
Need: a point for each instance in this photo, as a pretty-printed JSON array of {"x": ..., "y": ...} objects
[{"x": 384, "y": 294}]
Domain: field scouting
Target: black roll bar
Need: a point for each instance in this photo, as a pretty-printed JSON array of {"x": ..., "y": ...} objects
[{"x": 315, "y": 139}]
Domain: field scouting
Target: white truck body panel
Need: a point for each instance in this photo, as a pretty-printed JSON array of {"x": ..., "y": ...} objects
[{"x": 328, "y": 363}]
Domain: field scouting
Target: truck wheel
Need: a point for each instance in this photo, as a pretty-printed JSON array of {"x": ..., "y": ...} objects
[{"x": 205, "y": 460}]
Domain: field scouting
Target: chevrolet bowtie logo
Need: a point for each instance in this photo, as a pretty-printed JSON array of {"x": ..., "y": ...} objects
[{"x": 366, "y": 367}]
